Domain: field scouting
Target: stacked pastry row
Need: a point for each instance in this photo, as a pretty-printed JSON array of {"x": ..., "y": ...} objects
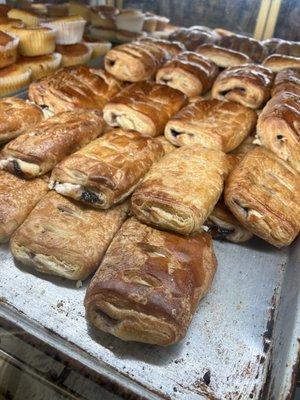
[{"x": 32, "y": 46}]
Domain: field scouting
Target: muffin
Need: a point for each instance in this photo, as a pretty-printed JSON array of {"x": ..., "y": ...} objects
[
  {"x": 74, "y": 54},
  {"x": 130, "y": 20},
  {"x": 35, "y": 41},
  {"x": 99, "y": 48},
  {"x": 76, "y": 8},
  {"x": 57, "y": 10},
  {"x": 104, "y": 17},
  {"x": 13, "y": 78},
  {"x": 8, "y": 49},
  {"x": 150, "y": 22},
  {"x": 98, "y": 33},
  {"x": 162, "y": 22},
  {"x": 69, "y": 29},
  {"x": 39, "y": 8},
  {"x": 41, "y": 65},
  {"x": 7, "y": 23},
  {"x": 28, "y": 17}
]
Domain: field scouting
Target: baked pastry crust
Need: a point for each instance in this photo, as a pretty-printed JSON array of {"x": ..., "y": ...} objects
[
  {"x": 17, "y": 116},
  {"x": 13, "y": 78},
  {"x": 189, "y": 72},
  {"x": 194, "y": 36},
  {"x": 287, "y": 80},
  {"x": 136, "y": 61},
  {"x": 62, "y": 237},
  {"x": 41, "y": 65},
  {"x": 216, "y": 124},
  {"x": 172, "y": 48},
  {"x": 17, "y": 198},
  {"x": 35, "y": 41},
  {"x": 181, "y": 190},
  {"x": 108, "y": 169},
  {"x": 8, "y": 49},
  {"x": 221, "y": 56},
  {"x": 278, "y": 62},
  {"x": 149, "y": 284},
  {"x": 74, "y": 54},
  {"x": 39, "y": 149},
  {"x": 263, "y": 192},
  {"x": 145, "y": 107},
  {"x": 249, "y": 85},
  {"x": 244, "y": 44},
  {"x": 74, "y": 87},
  {"x": 222, "y": 225},
  {"x": 278, "y": 127}
]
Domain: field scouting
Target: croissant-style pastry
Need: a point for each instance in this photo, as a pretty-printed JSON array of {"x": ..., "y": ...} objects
[
  {"x": 280, "y": 46},
  {"x": 220, "y": 125},
  {"x": 278, "y": 62},
  {"x": 278, "y": 127},
  {"x": 74, "y": 88},
  {"x": 287, "y": 80},
  {"x": 252, "y": 47},
  {"x": 16, "y": 116},
  {"x": 135, "y": 61},
  {"x": 145, "y": 107},
  {"x": 39, "y": 149},
  {"x": 181, "y": 190},
  {"x": 62, "y": 237},
  {"x": 189, "y": 72},
  {"x": 172, "y": 48},
  {"x": 249, "y": 85},
  {"x": 194, "y": 36},
  {"x": 149, "y": 284},
  {"x": 108, "y": 169},
  {"x": 263, "y": 193},
  {"x": 244, "y": 147},
  {"x": 17, "y": 198},
  {"x": 222, "y": 56}
]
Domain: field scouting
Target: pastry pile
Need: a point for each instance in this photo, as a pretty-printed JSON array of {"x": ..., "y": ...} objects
[{"x": 138, "y": 167}]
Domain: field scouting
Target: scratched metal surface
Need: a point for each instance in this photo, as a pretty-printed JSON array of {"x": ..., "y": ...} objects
[{"x": 226, "y": 353}]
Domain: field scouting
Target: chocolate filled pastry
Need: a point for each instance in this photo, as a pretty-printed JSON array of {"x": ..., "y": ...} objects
[
  {"x": 74, "y": 87},
  {"x": 277, "y": 62},
  {"x": 136, "y": 61},
  {"x": 181, "y": 190},
  {"x": 62, "y": 237},
  {"x": 263, "y": 192},
  {"x": 172, "y": 48},
  {"x": 216, "y": 124},
  {"x": 149, "y": 284},
  {"x": 287, "y": 80},
  {"x": 39, "y": 149},
  {"x": 244, "y": 147},
  {"x": 144, "y": 107},
  {"x": 17, "y": 198},
  {"x": 278, "y": 127},
  {"x": 17, "y": 116},
  {"x": 194, "y": 36},
  {"x": 221, "y": 56},
  {"x": 188, "y": 72},
  {"x": 249, "y": 85},
  {"x": 244, "y": 44},
  {"x": 108, "y": 169},
  {"x": 222, "y": 225},
  {"x": 280, "y": 46}
]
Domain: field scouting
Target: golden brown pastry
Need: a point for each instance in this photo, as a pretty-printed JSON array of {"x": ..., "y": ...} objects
[
  {"x": 99, "y": 47},
  {"x": 108, "y": 169},
  {"x": 39, "y": 149},
  {"x": 244, "y": 147},
  {"x": 8, "y": 49},
  {"x": 16, "y": 117},
  {"x": 194, "y": 36},
  {"x": 57, "y": 10},
  {"x": 41, "y": 65},
  {"x": 122, "y": 36},
  {"x": 136, "y": 61},
  {"x": 181, "y": 190},
  {"x": 216, "y": 124},
  {"x": 104, "y": 16},
  {"x": 149, "y": 284},
  {"x": 4, "y": 9},
  {"x": 277, "y": 62},
  {"x": 35, "y": 41},
  {"x": 77, "y": 8},
  {"x": 172, "y": 48},
  {"x": 280, "y": 46},
  {"x": 144, "y": 107},
  {"x": 221, "y": 224},
  {"x": 74, "y": 54},
  {"x": 13, "y": 78},
  {"x": 263, "y": 192},
  {"x": 7, "y": 23},
  {"x": 17, "y": 199},
  {"x": 244, "y": 44},
  {"x": 278, "y": 127},
  {"x": 221, "y": 56},
  {"x": 189, "y": 72},
  {"x": 130, "y": 20},
  {"x": 287, "y": 80},
  {"x": 249, "y": 85},
  {"x": 29, "y": 18},
  {"x": 62, "y": 237},
  {"x": 167, "y": 146},
  {"x": 74, "y": 87}
]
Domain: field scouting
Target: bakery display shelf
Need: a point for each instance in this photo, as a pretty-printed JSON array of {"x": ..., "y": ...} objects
[{"x": 243, "y": 342}]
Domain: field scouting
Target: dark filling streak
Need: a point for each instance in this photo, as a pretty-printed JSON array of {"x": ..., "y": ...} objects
[
  {"x": 175, "y": 133},
  {"x": 166, "y": 80},
  {"x": 217, "y": 232},
  {"x": 111, "y": 63},
  {"x": 279, "y": 137},
  {"x": 224, "y": 92},
  {"x": 90, "y": 197},
  {"x": 16, "y": 169}
]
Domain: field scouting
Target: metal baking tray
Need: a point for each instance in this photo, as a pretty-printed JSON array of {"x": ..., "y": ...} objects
[{"x": 243, "y": 342}]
